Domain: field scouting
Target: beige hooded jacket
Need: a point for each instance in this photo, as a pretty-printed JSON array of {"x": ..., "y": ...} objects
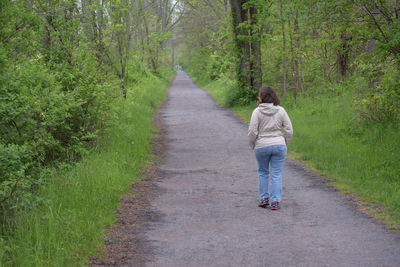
[{"x": 266, "y": 124}]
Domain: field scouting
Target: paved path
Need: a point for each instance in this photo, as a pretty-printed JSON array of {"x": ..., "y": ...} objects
[{"x": 207, "y": 201}]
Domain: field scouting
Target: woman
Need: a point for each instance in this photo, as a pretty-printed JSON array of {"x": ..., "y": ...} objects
[{"x": 269, "y": 144}]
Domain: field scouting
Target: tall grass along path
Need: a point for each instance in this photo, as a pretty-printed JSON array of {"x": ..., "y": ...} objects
[{"x": 204, "y": 206}]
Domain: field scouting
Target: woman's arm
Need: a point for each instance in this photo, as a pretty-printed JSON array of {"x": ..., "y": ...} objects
[
  {"x": 253, "y": 129},
  {"x": 287, "y": 127}
]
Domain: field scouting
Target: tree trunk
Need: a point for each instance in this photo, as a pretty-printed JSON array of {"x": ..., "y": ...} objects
[
  {"x": 141, "y": 34},
  {"x": 46, "y": 41},
  {"x": 343, "y": 54},
  {"x": 85, "y": 6},
  {"x": 122, "y": 65},
  {"x": 303, "y": 86},
  {"x": 297, "y": 55},
  {"x": 293, "y": 60},
  {"x": 255, "y": 53},
  {"x": 151, "y": 56},
  {"x": 173, "y": 51},
  {"x": 283, "y": 50},
  {"x": 248, "y": 49}
]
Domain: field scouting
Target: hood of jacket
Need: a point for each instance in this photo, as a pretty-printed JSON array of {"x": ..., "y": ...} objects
[{"x": 268, "y": 109}]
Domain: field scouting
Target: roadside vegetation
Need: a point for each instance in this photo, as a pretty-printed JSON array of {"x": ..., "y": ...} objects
[
  {"x": 79, "y": 84},
  {"x": 335, "y": 65},
  {"x": 79, "y": 201}
]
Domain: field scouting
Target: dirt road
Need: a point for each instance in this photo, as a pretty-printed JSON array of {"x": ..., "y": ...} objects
[{"x": 203, "y": 207}]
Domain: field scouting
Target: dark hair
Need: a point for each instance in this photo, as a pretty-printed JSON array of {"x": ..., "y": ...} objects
[{"x": 268, "y": 95}]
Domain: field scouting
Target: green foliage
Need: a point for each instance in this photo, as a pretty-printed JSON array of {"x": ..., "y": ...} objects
[
  {"x": 48, "y": 121},
  {"x": 14, "y": 160},
  {"x": 64, "y": 67},
  {"x": 238, "y": 96},
  {"x": 63, "y": 64},
  {"x": 330, "y": 41},
  {"x": 80, "y": 200},
  {"x": 381, "y": 104}
]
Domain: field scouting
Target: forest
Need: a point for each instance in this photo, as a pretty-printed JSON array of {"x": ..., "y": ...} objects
[
  {"x": 63, "y": 63},
  {"x": 299, "y": 46},
  {"x": 71, "y": 71}
]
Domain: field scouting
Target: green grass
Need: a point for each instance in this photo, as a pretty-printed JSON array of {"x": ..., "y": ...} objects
[
  {"x": 359, "y": 158},
  {"x": 80, "y": 203}
]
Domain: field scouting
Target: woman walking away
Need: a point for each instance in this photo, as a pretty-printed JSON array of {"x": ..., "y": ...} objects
[{"x": 269, "y": 144}]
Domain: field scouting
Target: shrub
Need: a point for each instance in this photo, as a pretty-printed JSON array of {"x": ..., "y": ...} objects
[
  {"x": 237, "y": 96},
  {"x": 43, "y": 122},
  {"x": 14, "y": 161},
  {"x": 382, "y": 103}
]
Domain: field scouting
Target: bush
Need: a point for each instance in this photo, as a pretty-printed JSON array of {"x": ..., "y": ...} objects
[
  {"x": 43, "y": 122},
  {"x": 79, "y": 201},
  {"x": 382, "y": 103},
  {"x": 14, "y": 161},
  {"x": 237, "y": 96}
]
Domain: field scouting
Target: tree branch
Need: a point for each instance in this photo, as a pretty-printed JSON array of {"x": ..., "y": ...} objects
[
  {"x": 16, "y": 127},
  {"x": 176, "y": 22},
  {"x": 17, "y": 29},
  {"x": 374, "y": 19},
  {"x": 170, "y": 13},
  {"x": 13, "y": 189},
  {"x": 219, "y": 15},
  {"x": 385, "y": 15}
]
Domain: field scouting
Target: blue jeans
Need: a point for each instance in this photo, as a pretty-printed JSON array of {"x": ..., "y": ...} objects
[{"x": 270, "y": 160}]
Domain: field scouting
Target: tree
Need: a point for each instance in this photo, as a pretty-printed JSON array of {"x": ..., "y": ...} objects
[
  {"x": 283, "y": 49},
  {"x": 247, "y": 39}
]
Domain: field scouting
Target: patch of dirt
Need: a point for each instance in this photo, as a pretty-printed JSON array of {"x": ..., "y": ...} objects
[{"x": 126, "y": 244}]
